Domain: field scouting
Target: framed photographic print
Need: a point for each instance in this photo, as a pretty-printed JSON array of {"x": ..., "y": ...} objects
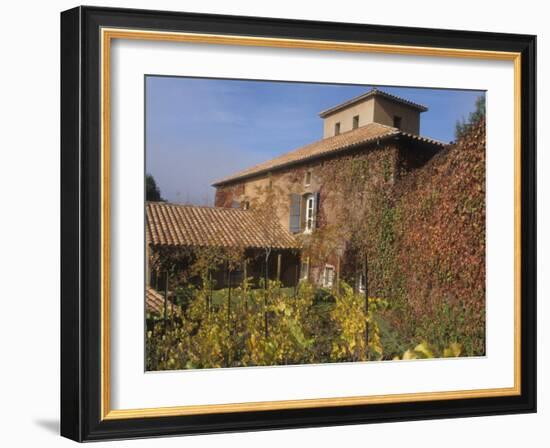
[{"x": 273, "y": 223}]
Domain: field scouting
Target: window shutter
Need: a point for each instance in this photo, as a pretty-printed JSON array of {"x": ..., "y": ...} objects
[
  {"x": 295, "y": 208},
  {"x": 317, "y": 222}
]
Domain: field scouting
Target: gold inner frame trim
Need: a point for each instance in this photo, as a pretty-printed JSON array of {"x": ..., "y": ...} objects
[{"x": 107, "y": 35}]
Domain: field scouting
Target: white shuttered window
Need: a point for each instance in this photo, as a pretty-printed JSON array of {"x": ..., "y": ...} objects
[{"x": 310, "y": 213}]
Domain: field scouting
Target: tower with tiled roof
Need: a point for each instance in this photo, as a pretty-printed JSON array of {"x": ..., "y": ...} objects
[{"x": 375, "y": 106}]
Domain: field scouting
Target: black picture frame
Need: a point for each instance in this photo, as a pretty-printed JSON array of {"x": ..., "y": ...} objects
[{"x": 81, "y": 224}]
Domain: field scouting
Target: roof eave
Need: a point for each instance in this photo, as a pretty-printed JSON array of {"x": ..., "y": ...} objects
[
  {"x": 375, "y": 140},
  {"x": 304, "y": 160},
  {"x": 194, "y": 246},
  {"x": 372, "y": 93}
]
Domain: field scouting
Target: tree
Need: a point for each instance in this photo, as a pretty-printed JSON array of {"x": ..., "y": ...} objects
[
  {"x": 152, "y": 191},
  {"x": 462, "y": 126}
]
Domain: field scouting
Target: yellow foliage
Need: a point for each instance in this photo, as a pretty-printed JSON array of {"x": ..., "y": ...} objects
[
  {"x": 423, "y": 350},
  {"x": 453, "y": 351},
  {"x": 273, "y": 326}
]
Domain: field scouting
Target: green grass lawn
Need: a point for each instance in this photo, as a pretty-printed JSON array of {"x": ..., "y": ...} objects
[{"x": 219, "y": 296}]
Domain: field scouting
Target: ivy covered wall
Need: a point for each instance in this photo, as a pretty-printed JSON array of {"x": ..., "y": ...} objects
[{"x": 433, "y": 238}]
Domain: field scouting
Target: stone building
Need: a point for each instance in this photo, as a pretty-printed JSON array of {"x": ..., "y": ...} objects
[{"x": 377, "y": 128}]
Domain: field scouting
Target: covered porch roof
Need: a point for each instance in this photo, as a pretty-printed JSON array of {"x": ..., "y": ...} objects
[{"x": 175, "y": 225}]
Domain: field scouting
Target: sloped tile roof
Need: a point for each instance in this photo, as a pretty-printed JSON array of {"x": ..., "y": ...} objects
[
  {"x": 185, "y": 225},
  {"x": 154, "y": 301},
  {"x": 371, "y": 93},
  {"x": 326, "y": 146}
]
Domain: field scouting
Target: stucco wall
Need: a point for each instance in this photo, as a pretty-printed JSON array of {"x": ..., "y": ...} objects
[
  {"x": 226, "y": 195},
  {"x": 292, "y": 180},
  {"x": 365, "y": 110},
  {"x": 385, "y": 110},
  {"x": 375, "y": 109}
]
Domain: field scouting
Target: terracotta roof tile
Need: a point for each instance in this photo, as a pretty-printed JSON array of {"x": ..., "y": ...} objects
[
  {"x": 371, "y": 93},
  {"x": 331, "y": 145},
  {"x": 154, "y": 301},
  {"x": 185, "y": 225}
]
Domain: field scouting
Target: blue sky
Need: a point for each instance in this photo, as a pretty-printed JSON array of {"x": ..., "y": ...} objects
[{"x": 199, "y": 130}]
